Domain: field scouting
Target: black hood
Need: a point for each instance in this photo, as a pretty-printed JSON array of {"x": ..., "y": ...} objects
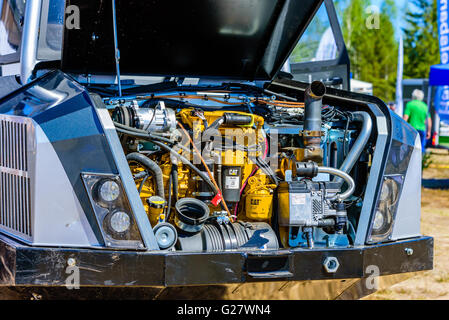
[{"x": 227, "y": 39}]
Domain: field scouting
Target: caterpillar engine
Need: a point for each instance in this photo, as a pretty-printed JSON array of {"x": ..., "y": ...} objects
[{"x": 214, "y": 179}]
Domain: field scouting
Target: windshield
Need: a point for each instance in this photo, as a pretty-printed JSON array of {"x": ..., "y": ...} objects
[
  {"x": 11, "y": 21},
  {"x": 51, "y": 30},
  {"x": 318, "y": 42}
]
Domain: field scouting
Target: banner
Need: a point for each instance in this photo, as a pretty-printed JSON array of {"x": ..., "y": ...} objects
[{"x": 442, "y": 94}]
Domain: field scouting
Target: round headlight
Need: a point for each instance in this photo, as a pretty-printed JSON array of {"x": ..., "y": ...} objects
[
  {"x": 109, "y": 191},
  {"x": 379, "y": 221},
  {"x": 120, "y": 222}
]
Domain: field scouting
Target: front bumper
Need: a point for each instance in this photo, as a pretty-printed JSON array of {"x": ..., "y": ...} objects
[{"x": 22, "y": 265}]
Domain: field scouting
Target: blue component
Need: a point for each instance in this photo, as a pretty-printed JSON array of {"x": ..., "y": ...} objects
[{"x": 320, "y": 238}]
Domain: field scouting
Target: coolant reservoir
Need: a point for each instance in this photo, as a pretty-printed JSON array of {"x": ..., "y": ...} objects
[{"x": 156, "y": 205}]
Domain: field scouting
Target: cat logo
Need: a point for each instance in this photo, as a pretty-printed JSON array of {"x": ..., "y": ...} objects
[{"x": 255, "y": 202}]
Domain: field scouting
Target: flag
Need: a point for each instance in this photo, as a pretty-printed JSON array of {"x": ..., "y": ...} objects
[{"x": 442, "y": 94}]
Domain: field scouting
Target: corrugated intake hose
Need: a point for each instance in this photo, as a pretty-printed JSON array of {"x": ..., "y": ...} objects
[{"x": 153, "y": 168}]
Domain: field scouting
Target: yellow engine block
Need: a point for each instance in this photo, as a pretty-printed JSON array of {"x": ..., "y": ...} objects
[{"x": 257, "y": 198}]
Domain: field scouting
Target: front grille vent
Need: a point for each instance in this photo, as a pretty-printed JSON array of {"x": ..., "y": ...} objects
[
  {"x": 13, "y": 147},
  {"x": 15, "y": 181}
]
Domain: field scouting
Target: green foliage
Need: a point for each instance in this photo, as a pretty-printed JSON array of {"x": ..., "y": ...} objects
[
  {"x": 421, "y": 48},
  {"x": 373, "y": 52}
]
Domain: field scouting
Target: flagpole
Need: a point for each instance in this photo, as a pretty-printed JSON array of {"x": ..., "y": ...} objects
[{"x": 400, "y": 74}]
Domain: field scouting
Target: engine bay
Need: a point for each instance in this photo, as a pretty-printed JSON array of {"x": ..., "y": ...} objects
[{"x": 244, "y": 168}]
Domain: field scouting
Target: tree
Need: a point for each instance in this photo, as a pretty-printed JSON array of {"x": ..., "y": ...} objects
[
  {"x": 421, "y": 47},
  {"x": 372, "y": 46}
]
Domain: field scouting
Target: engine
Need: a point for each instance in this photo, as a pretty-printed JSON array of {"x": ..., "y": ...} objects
[{"x": 217, "y": 171}]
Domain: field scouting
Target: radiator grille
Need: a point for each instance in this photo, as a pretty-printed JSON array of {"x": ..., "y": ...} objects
[
  {"x": 13, "y": 148},
  {"x": 15, "y": 192},
  {"x": 15, "y": 203}
]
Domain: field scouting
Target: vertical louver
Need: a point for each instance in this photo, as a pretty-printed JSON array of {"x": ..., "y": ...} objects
[{"x": 15, "y": 192}]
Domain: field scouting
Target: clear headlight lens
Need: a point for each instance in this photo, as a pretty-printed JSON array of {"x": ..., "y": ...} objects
[
  {"x": 385, "y": 193},
  {"x": 112, "y": 211},
  {"x": 382, "y": 224},
  {"x": 109, "y": 191},
  {"x": 120, "y": 222},
  {"x": 379, "y": 221}
]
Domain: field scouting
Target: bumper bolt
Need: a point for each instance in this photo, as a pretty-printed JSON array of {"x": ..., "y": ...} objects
[
  {"x": 331, "y": 264},
  {"x": 409, "y": 251}
]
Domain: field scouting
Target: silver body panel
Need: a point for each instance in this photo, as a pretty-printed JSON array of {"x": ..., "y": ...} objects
[
  {"x": 45, "y": 211},
  {"x": 376, "y": 171},
  {"x": 408, "y": 217}
]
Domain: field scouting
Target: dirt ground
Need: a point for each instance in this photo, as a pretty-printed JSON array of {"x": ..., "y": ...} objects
[{"x": 431, "y": 285}]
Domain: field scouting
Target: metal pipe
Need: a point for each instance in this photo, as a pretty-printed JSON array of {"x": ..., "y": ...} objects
[
  {"x": 313, "y": 105},
  {"x": 360, "y": 143},
  {"x": 346, "y": 177}
]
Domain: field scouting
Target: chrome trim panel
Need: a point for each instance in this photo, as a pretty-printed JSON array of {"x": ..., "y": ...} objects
[{"x": 16, "y": 153}]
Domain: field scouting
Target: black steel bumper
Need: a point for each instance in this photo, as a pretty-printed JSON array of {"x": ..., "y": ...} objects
[{"x": 29, "y": 266}]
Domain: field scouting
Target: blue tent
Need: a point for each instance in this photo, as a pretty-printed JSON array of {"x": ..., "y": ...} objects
[{"x": 439, "y": 75}]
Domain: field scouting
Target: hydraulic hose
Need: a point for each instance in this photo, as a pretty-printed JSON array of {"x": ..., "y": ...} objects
[
  {"x": 360, "y": 143},
  {"x": 157, "y": 141},
  {"x": 153, "y": 168},
  {"x": 343, "y": 175}
]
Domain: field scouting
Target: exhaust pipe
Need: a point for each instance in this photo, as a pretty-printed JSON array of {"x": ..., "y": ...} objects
[
  {"x": 312, "y": 121},
  {"x": 313, "y": 104}
]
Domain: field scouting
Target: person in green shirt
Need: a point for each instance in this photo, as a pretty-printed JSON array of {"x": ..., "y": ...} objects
[{"x": 417, "y": 114}]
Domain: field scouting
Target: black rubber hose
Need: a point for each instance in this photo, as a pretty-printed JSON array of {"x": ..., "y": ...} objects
[
  {"x": 175, "y": 182},
  {"x": 153, "y": 168},
  {"x": 170, "y": 195},
  {"x": 184, "y": 160}
]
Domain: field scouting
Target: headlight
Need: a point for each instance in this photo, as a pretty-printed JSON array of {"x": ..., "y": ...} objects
[
  {"x": 382, "y": 223},
  {"x": 120, "y": 222},
  {"x": 379, "y": 221},
  {"x": 385, "y": 193},
  {"x": 109, "y": 191},
  {"x": 112, "y": 211}
]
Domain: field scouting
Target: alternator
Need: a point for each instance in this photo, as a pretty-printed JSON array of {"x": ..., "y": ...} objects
[{"x": 158, "y": 119}]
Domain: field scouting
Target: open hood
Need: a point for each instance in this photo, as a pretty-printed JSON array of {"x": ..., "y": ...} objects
[{"x": 227, "y": 39}]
